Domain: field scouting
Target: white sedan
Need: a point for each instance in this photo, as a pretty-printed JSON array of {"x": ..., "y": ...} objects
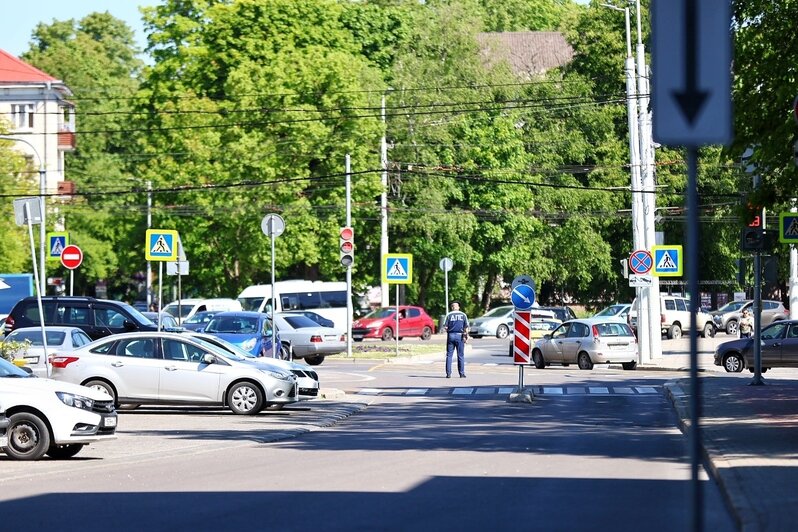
[
  {"x": 308, "y": 339},
  {"x": 60, "y": 340}
]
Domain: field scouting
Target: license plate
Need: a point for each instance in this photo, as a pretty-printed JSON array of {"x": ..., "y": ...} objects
[
  {"x": 32, "y": 360},
  {"x": 109, "y": 422},
  {"x": 617, "y": 347}
]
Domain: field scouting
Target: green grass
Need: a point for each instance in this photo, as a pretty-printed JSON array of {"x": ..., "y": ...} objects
[{"x": 384, "y": 350}]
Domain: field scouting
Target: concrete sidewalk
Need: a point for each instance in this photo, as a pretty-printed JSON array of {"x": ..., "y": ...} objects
[{"x": 749, "y": 436}]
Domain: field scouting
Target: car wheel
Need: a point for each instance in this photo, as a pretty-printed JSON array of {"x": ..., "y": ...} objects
[
  {"x": 733, "y": 363},
  {"x": 675, "y": 332},
  {"x": 629, "y": 366},
  {"x": 426, "y": 334},
  {"x": 28, "y": 437},
  {"x": 128, "y": 406},
  {"x": 731, "y": 328},
  {"x": 502, "y": 331},
  {"x": 584, "y": 361},
  {"x": 245, "y": 398},
  {"x": 62, "y": 452},
  {"x": 537, "y": 358},
  {"x": 103, "y": 386},
  {"x": 387, "y": 334},
  {"x": 709, "y": 330},
  {"x": 285, "y": 352},
  {"x": 314, "y": 360}
]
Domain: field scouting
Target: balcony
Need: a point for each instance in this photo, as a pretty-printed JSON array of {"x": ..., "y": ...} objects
[{"x": 66, "y": 140}]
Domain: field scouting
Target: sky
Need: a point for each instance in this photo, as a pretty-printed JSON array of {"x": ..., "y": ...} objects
[{"x": 21, "y": 18}]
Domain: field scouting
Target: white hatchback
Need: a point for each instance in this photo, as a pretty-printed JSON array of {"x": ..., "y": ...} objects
[
  {"x": 60, "y": 340},
  {"x": 586, "y": 342},
  {"x": 50, "y": 417}
]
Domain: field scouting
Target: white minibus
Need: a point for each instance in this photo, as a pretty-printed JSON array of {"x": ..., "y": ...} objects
[{"x": 325, "y": 298}]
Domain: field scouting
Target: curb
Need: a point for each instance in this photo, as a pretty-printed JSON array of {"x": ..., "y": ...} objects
[{"x": 737, "y": 505}]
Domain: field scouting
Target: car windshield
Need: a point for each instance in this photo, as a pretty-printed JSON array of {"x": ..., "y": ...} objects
[
  {"x": 200, "y": 317},
  {"x": 35, "y": 337},
  {"x": 181, "y": 311},
  {"x": 231, "y": 351},
  {"x": 233, "y": 325},
  {"x": 732, "y": 306},
  {"x": 380, "y": 313},
  {"x": 497, "y": 312},
  {"x": 7, "y": 369},
  {"x": 612, "y": 310},
  {"x": 138, "y": 316},
  {"x": 251, "y": 303}
]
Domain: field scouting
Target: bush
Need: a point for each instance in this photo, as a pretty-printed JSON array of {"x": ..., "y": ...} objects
[{"x": 12, "y": 350}]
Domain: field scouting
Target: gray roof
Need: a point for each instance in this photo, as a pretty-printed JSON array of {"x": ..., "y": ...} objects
[{"x": 529, "y": 53}]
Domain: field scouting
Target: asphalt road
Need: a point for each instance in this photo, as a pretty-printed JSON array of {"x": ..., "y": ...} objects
[{"x": 428, "y": 453}]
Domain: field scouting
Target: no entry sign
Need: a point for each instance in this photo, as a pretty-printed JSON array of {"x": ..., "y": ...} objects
[{"x": 71, "y": 257}]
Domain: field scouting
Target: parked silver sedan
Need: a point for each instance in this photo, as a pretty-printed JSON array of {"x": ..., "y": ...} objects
[
  {"x": 587, "y": 342},
  {"x": 308, "y": 339},
  {"x": 496, "y": 322},
  {"x": 172, "y": 368}
]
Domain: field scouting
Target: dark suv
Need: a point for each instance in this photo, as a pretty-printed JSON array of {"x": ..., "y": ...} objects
[{"x": 96, "y": 317}]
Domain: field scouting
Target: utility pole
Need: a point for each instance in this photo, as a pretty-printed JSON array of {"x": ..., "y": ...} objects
[
  {"x": 649, "y": 200},
  {"x": 148, "y": 284},
  {"x": 384, "y": 299}
]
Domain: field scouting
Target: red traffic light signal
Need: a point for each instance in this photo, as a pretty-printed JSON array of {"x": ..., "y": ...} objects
[{"x": 347, "y": 246}]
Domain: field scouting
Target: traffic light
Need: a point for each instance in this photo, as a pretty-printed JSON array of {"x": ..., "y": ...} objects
[
  {"x": 754, "y": 214},
  {"x": 347, "y": 246},
  {"x": 753, "y": 239}
]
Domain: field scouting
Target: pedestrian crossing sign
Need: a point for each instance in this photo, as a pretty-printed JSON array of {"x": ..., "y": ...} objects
[
  {"x": 397, "y": 268},
  {"x": 161, "y": 245},
  {"x": 788, "y": 227},
  {"x": 56, "y": 242},
  {"x": 668, "y": 261}
]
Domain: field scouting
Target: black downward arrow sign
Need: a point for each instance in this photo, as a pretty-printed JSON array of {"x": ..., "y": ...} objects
[{"x": 690, "y": 99}]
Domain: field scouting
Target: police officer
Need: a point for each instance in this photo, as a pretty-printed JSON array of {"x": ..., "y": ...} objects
[{"x": 456, "y": 328}]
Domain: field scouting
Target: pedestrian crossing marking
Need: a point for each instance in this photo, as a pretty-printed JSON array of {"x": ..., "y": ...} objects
[
  {"x": 792, "y": 230},
  {"x": 57, "y": 241},
  {"x": 58, "y": 247},
  {"x": 483, "y": 391}
]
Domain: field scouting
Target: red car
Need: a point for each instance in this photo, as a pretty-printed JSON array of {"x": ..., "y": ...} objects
[{"x": 380, "y": 323}]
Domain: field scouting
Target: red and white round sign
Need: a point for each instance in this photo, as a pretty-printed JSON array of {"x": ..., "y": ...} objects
[{"x": 71, "y": 257}]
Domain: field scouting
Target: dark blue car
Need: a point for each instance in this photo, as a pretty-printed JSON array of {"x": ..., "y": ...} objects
[{"x": 251, "y": 331}]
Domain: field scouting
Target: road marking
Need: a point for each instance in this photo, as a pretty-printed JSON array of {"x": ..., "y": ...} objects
[
  {"x": 506, "y": 390},
  {"x": 485, "y": 391},
  {"x": 416, "y": 391},
  {"x": 575, "y": 391},
  {"x": 623, "y": 390},
  {"x": 563, "y": 391},
  {"x": 551, "y": 390},
  {"x": 645, "y": 389},
  {"x": 463, "y": 391},
  {"x": 599, "y": 390},
  {"x": 370, "y": 391}
]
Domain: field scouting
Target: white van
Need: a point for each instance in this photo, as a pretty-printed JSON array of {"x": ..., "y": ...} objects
[
  {"x": 326, "y": 298},
  {"x": 186, "y": 308}
]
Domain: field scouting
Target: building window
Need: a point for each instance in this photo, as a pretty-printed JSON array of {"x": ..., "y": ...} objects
[{"x": 22, "y": 115}]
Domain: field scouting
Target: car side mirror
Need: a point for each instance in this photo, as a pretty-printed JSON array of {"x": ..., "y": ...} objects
[
  {"x": 129, "y": 325},
  {"x": 201, "y": 329},
  {"x": 208, "y": 358},
  {"x": 547, "y": 337}
]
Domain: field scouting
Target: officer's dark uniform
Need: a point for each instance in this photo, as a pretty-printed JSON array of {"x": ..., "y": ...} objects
[{"x": 456, "y": 326}]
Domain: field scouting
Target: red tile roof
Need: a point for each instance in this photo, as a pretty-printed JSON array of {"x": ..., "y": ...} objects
[{"x": 15, "y": 70}]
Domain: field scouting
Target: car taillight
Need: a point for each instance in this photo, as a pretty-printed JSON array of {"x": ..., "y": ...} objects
[
  {"x": 59, "y": 361},
  {"x": 343, "y": 337},
  {"x": 595, "y": 333},
  {"x": 10, "y": 323},
  {"x": 662, "y": 318},
  {"x": 315, "y": 339}
]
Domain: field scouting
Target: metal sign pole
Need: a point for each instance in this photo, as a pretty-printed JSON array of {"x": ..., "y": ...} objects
[
  {"x": 397, "y": 320},
  {"x": 71, "y": 282},
  {"x": 160, "y": 291},
  {"x": 274, "y": 326},
  {"x": 38, "y": 287}
]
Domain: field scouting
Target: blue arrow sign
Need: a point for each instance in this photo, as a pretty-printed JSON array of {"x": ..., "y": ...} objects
[{"x": 523, "y": 297}]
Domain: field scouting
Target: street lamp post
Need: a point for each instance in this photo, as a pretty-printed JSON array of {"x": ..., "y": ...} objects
[
  {"x": 638, "y": 229},
  {"x": 42, "y": 193}
]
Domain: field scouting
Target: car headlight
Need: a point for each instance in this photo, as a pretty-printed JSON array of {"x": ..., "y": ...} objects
[
  {"x": 77, "y": 401},
  {"x": 278, "y": 374},
  {"x": 248, "y": 345}
]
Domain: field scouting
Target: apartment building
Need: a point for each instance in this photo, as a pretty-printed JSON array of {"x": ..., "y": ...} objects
[{"x": 35, "y": 108}]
